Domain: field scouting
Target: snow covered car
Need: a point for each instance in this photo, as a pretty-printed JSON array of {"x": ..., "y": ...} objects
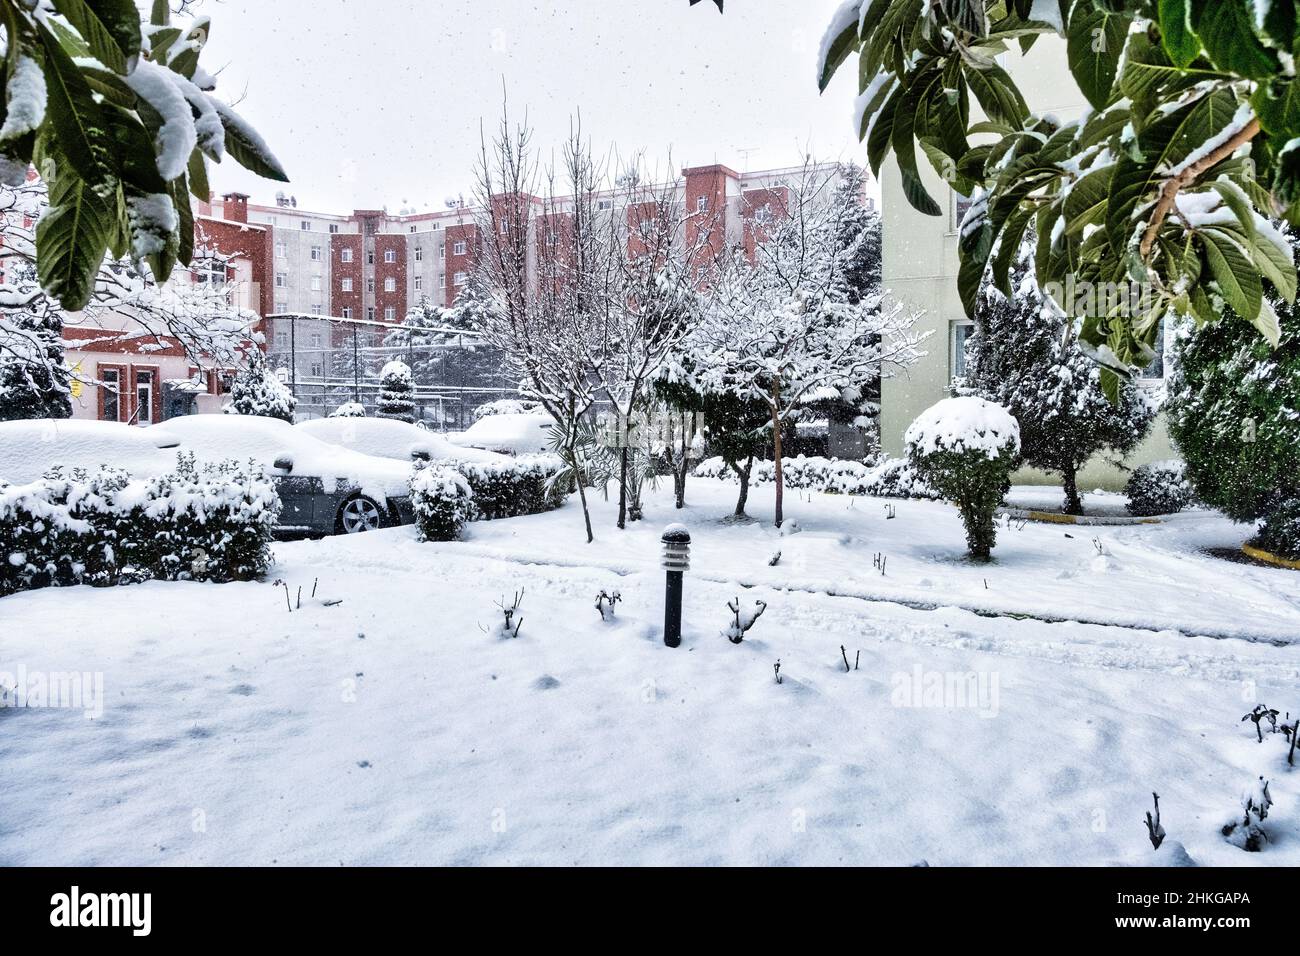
[
  {"x": 527, "y": 434},
  {"x": 324, "y": 489},
  {"x": 389, "y": 438}
]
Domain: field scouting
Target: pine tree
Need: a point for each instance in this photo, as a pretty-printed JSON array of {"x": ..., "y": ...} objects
[
  {"x": 1023, "y": 358},
  {"x": 34, "y": 380},
  {"x": 396, "y": 392},
  {"x": 256, "y": 391}
]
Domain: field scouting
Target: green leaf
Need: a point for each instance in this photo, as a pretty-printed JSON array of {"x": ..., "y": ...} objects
[
  {"x": 185, "y": 215},
  {"x": 1093, "y": 46},
  {"x": 71, "y": 239},
  {"x": 198, "y": 177},
  {"x": 1274, "y": 264},
  {"x": 73, "y": 114},
  {"x": 134, "y": 149},
  {"x": 840, "y": 46},
  {"x": 1236, "y": 200},
  {"x": 247, "y": 147},
  {"x": 1277, "y": 105},
  {"x": 1227, "y": 31},
  {"x": 1176, "y": 32},
  {"x": 111, "y": 28},
  {"x": 998, "y": 95},
  {"x": 1233, "y": 271},
  {"x": 1266, "y": 322}
]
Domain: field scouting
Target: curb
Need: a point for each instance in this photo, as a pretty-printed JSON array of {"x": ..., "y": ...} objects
[
  {"x": 1268, "y": 557},
  {"x": 1055, "y": 517}
]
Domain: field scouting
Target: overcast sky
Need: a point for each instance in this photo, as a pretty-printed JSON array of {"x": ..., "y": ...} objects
[{"x": 372, "y": 103}]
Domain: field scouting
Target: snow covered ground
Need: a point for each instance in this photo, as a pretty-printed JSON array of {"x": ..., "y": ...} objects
[{"x": 399, "y": 727}]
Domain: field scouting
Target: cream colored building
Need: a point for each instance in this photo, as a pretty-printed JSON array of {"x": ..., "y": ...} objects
[{"x": 920, "y": 270}]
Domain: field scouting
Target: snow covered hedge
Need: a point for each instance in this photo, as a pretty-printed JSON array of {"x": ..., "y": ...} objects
[
  {"x": 1158, "y": 488},
  {"x": 966, "y": 448},
  {"x": 210, "y": 522},
  {"x": 525, "y": 485},
  {"x": 891, "y": 478},
  {"x": 442, "y": 501},
  {"x": 1281, "y": 532}
]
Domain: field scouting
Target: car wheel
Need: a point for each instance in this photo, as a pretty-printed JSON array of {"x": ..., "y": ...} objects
[{"x": 360, "y": 514}]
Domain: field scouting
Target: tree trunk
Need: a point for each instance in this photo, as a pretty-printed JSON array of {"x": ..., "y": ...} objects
[
  {"x": 776, "y": 449},
  {"x": 1073, "y": 503},
  {"x": 622, "y": 487},
  {"x": 582, "y": 491},
  {"x": 743, "y": 475}
]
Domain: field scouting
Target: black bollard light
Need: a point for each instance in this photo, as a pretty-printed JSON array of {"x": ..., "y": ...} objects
[{"x": 676, "y": 559}]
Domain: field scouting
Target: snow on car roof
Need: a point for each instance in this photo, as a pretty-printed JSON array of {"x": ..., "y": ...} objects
[
  {"x": 509, "y": 434},
  {"x": 30, "y": 447},
  {"x": 390, "y": 438}
]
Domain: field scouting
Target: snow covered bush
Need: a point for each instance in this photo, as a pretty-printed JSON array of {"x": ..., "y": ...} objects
[
  {"x": 211, "y": 522},
  {"x": 349, "y": 410},
  {"x": 256, "y": 391},
  {"x": 892, "y": 478},
  {"x": 1024, "y": 357},
  {"x": 965, "y": 448},
  {"x": 396, "y": 392},
  {"x": 1281, "y": 531},
  {"x": 1158, "y": 488},
  {"x": 526, "y": 485},
  {"x": 442, "y": 501},
  {"x": 897, "y": 478},
  {"x": 507, "y": 406},
  {"x": 34, "y": 379},
  {"x": 1234, "y": 415}
]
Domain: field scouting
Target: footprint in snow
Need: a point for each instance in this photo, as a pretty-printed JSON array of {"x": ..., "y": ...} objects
[
  {"x": 243, "y": 690},
  {"x": 545, "y": 682}
]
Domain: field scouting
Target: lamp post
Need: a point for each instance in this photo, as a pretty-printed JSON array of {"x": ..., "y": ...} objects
[{"x": 676, "y": 559}]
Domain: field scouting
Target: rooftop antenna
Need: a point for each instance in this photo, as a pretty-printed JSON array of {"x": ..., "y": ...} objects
[{"x": 744, "y": 152}]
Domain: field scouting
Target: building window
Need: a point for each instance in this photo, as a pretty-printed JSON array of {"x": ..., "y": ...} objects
[
  {"x": 315, "y": 283},
  {"x": 282, "y": 280},
  {"x": 370, "y": 283},
  {"x": 370, "y": 257},
  {"x": 316, "y": 309},
  {"x": 1157, "y": 369},
  {"x": 419, "y": 253},
  {"x": 305, "y": 225},
  {"x": 334, "y": 227},
  {"x": 210, "y": 271},
  {"x": 459, "y": 278},
  {"x": 345, "y": 285},
  {"x": 345, "y": 255},
  {"x": 390, "y": 255},
  {"x": 390, "y": 314},
  {"x": 281, "y": 250},
  {"x": 317, "y": 369},
  {"x": 605, "y": 204},
  {"x": 281, "y": 339},
  {"x": 763, "y": 215},
  {"x": 281, "y": 307},
  {"x": 110, "y": 394},
  {"x": 961, "y": 331},
  {"x": 960, "y": 204},
  {"x": 505, "y": 228},
  {"x": 347, "y": 312},
  {"x": 412, "y": 229},
  {"x": 459, "y": 248},
  {"x": 390, "y": 284},
  {"x": 419, "y": 283},
  {"x": 315, "y": 340},
  {"x": 442, "y": 252},
  {"x": 315, "y": 254},
  {"x": 702, "y": 204},
  {"x": 370, "y": 313}
]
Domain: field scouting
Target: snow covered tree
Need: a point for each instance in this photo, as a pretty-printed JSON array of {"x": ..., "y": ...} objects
[
  {"x": 34, "y": 380},
  {"x": 1191, "y": 135},
  {"x": 1232, "y": 407},
  {"x": 858, "y": 234},
  {"x": 396, "y": 392},
  {"x": 122, "y": 119},
  {"x": 256, "y": 391},
  {"x": 1024, "y": 358},
  {"x": 965, "y": 449},
  {"x": 783, "y": 330}
]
